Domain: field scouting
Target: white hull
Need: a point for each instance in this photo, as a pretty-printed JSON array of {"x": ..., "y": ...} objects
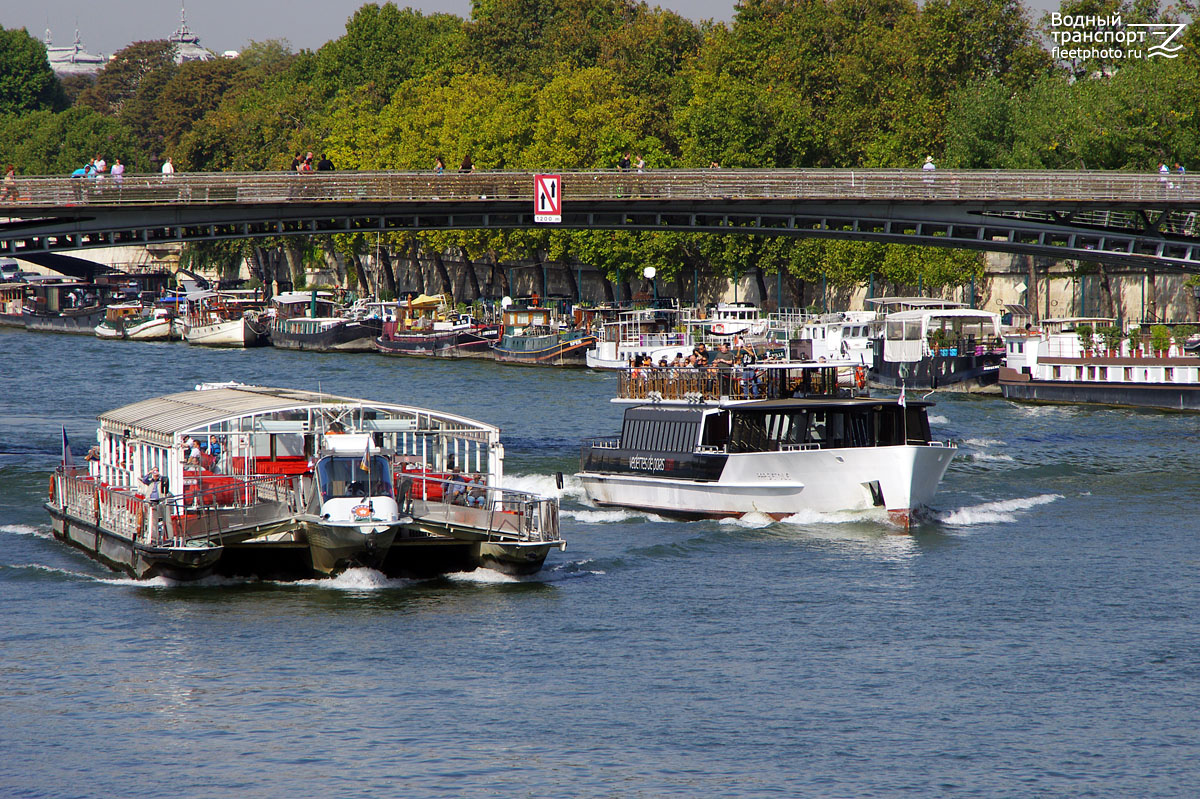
[
  {"x": 606, "y": 356},
  {"x": 780, "y": 484},
  {"x": 230, "y": 333},
  {"x": 153, "y": 330}
]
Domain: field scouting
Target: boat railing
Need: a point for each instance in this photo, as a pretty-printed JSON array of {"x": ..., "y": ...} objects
[
  {"x": 712, "y": 383},
  {"x": 497, "y": 514},
  {"x": 199, "y": 514},
  {"x": 608, "y": 442}
]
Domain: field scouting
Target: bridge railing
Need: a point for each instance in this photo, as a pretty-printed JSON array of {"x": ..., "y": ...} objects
[{"x": 707, "y": 184}]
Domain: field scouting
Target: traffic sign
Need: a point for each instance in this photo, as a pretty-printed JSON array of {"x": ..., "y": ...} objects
[{"x": 547, "y": 198}]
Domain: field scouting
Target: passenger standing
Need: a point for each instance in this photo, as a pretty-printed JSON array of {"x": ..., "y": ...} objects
[
  {"x": 214, "y": 452},
  {"x": 153, "y": 482},
  {"x": 9, "y": 190}
]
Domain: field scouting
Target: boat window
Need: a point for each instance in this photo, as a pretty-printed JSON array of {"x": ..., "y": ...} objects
[
  {"x": 345, "y": 477},
  {"x": 917, "y": 423},
  {"x": 716, "y": 430}
]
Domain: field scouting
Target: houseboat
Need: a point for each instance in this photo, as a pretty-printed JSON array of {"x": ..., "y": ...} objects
[
  {"x": 64, "y": 306},
  {"x": 930, "y": 344},
  {"x": 640, "y": 333},
  {"x": 1069, "y": 361},
  {"x": 430, "y": 326},
  {"x": 137, "y": 322},
  {"x": 12, "y": 302},
  {"x": 222, "y": 320},
  {"x": 316, "y": 322},
  {"x": 536, "y": 336},
  {"x": 279, "y": 483},
  {"x": 777, "y": 440},
  {"x": 842, "y": 335}
]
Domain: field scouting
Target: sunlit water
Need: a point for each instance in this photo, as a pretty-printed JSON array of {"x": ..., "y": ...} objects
[{"x": 1037, "y": 635}]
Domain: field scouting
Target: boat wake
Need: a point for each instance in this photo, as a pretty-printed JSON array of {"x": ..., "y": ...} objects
[
  {"x": 938, "y": 419},
  {"x": 609, "y": 515},
  {"x": 995, "y": 512},
  {"x": 26, "y": 529},
  {"x": 810, "y": 517},
  {"x": 546, "y": 485}
]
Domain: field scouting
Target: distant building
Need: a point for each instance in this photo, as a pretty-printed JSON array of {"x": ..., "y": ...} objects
[
  {"x": 187, "y": 44},
  {"x": 73, "y": 60}
]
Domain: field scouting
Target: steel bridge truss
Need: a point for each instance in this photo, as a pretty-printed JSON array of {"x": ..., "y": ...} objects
[{"x": 1121, "y": 218}]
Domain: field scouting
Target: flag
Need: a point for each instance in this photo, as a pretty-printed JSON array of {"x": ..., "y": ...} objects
[
  {"x": 902, "y": 401},
  {"x": 365, "y": 463},
  {"x": 67, "y": 461}
]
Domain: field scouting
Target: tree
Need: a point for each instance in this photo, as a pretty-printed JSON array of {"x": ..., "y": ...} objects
[
  {"x": 26, "y": 81},
  {"x": 384, "y": 46},
  {"x": 122, "y": 76}
]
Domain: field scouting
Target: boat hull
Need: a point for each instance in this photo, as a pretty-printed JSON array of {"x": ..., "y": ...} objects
[
  {"x": 150, "y": 330},
  {"x": 348, "y": 337},
  {"x": 449, "y": 344},
  {"x": 900, "y": 479},
  {"x": 977, "y": 373},
  {"x": 230, "y": 333},
  {"x": 559, "y": 353},
  {"x": 1132, "y": 395},
  {"x": 80, "y": 322}
]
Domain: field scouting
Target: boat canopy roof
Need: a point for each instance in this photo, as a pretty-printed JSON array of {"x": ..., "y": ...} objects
[
  {"x": 161, "y": 419},
  {"x": 819, "y": 403},
  {"x": 943, "y": 313},
  {"x": 290, "y": 297},
  {"x": 908, "y": 303}
]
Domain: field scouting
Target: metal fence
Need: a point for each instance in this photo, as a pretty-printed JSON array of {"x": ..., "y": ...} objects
[{"x": 711, "y": 184}]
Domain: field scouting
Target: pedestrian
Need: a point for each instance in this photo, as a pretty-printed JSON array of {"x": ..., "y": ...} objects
[
  {"x": 929, "y": 165},
  {"x": 117, "y": 171},
  {"x": 168, "y": 168},
  {"x": 713, "y": 164},
  {"x": 468, "y": 165},
  {"x": 100, "y": 163},
  {"x": 1179, "y": 170},
  {"x": 641, "y": 164},
  {"x": 9, "y": 189},
  {"x": 307, "y": 164},
  {"x": 623, "y": 164},
  {"x": 296, "y": 159},
  {"x": 439, "y": 166},
  {"x": 324, "y": 164}
]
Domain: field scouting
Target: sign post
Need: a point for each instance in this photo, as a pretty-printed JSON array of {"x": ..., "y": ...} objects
[{"x": 547, "y": 199}]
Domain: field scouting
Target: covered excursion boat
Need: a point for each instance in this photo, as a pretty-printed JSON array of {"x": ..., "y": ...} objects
[
  {"x": 782, "y": 439},
  {"x": 292, "y": 484}
]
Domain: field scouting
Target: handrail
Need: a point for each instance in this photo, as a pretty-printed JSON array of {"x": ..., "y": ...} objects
[
  {"x": 207, "y": 188},
  {"x": 501, "y": 513}
]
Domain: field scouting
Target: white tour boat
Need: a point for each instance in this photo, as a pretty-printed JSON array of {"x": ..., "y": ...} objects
[
  {"x": 298, "y": 484},
  {"x": 845, "y": 335},
  {"x": 777, "y": 439},
  {"x": 644, "y": 332},
  {"x": 218, "y": 320}
]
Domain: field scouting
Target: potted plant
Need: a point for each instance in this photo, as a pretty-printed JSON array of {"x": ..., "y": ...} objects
[
  {"x": 1135, "y": 342},
  {"x": 1160, "y": 339},
  {"x": 1182, "y": 334},
  {"x": 1087, "y": 340},
  {"x": 1112, "y": 336}
]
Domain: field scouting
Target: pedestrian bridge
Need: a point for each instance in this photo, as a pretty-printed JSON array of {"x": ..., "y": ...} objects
[{"x": 1116, "y": 217}]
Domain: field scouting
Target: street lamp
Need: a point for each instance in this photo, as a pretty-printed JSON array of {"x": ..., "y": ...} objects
[{"x": 649, "y": 272}]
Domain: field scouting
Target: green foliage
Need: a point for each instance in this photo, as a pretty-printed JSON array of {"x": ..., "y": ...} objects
[
  {"x": 1160, "y": 338},
  {"x": 384, "y": 46},
  {"x": 1086, "y": 335},
  {"x": 1112, "y": 336},
  {"x": 123, "y": 76},
  {"x": 26, "y": 81},
  {"x": 44, "y": 143}
]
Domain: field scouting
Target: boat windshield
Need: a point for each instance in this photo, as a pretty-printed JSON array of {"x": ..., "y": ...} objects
[{"x": 346, "y": 477}]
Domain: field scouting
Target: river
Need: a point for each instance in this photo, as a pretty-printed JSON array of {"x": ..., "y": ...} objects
[{"x": 1040, "y": 636}]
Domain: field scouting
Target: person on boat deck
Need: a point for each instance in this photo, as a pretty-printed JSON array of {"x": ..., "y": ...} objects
[
  {"x": 457, "y": 485},
  {"x": 214, "y": 452},
  {"x": 153, "y": 481},
  {"x": 723, "y": 358},
  {"x": 477, "y": 496}
]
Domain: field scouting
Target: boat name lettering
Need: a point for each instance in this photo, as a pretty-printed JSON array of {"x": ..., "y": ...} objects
[
  {"x": 648, "y": 464},
  {"x": 774, "y": 476}
]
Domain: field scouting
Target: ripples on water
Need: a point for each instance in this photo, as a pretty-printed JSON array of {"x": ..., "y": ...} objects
[{"x": 1034, "y": 635}]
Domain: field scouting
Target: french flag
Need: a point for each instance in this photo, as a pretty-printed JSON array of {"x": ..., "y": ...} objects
[{"x": 67, "y": 461}]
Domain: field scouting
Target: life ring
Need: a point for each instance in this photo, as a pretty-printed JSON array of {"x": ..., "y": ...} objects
[
  {"x": 719, "y": 329},
  {"x": 860, "y": 377},
  {"x": 140, "y": 518},
  {"x": 53, "y": 487}
]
